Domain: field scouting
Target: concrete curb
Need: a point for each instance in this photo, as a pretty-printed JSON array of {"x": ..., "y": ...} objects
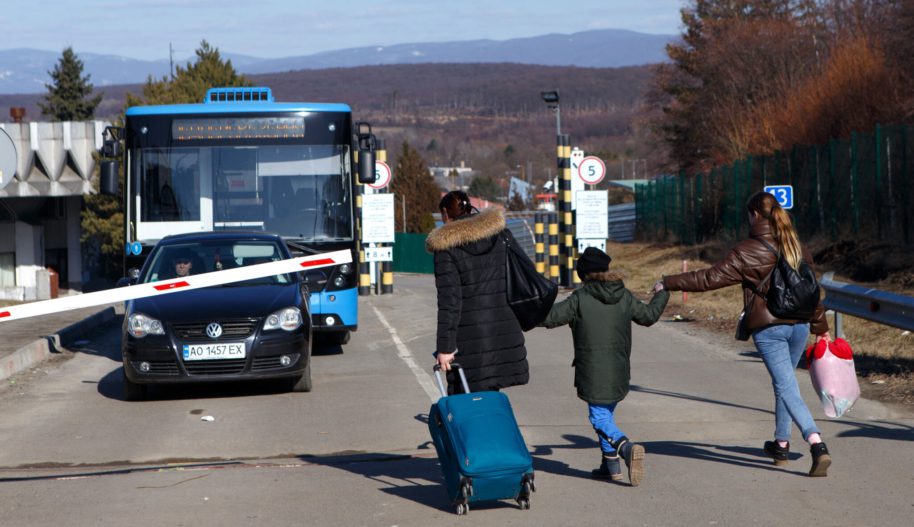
[{"x": 41, "y": 349}]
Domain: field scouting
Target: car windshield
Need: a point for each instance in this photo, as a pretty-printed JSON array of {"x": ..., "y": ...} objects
[{"x": 186, "y": 259}]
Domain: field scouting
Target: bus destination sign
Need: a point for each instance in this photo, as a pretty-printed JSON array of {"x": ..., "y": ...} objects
[{"x": 238, "y": 128}]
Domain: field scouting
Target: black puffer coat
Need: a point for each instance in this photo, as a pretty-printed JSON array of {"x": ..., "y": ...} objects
[{"x": 474, "y": 318}]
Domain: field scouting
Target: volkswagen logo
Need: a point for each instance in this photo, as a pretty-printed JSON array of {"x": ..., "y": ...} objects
[{"x": 214, "y": 330}]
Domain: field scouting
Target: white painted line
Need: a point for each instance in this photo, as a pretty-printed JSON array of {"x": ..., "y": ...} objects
[
  {"x": 403, "y": 352},
  {"x": 188, "y": 283}
]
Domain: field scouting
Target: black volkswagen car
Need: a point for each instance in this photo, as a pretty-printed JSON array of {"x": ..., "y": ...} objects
[{"x": 254, "y": 329}]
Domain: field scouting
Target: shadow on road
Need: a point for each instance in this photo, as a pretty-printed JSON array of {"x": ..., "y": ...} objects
[
  {"x": 111, "y": 386},
  {"x": 885, "y": 430},
  {"x": 415, "y": 478},
  {"x": 690, "y": 397},
  {"x": 749, "y": 457}
]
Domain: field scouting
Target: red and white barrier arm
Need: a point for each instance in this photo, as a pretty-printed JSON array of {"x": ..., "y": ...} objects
[{"x": 187, "y": 283}]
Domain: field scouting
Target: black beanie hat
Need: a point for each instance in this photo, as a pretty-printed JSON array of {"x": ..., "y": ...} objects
[{"x": 592, "y": 261}]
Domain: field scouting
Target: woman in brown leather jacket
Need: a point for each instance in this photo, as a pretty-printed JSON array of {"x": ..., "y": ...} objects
[{"x": 780, "y": 342}]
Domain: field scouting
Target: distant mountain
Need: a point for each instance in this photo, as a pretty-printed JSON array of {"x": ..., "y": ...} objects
[
  {"x": 26, "y": 70},
  {"x": 602, "y": 48}
]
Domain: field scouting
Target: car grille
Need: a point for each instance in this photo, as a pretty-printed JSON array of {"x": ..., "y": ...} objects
[
  {"x": 215, "y": 367},
  {"x": 272, "y": 363},
  {"x": 231, "y": 330}
]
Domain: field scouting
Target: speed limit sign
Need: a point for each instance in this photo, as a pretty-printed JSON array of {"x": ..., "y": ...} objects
[
  {"x": 591, "y": 170},
  {"x": 382, "y": 175}
]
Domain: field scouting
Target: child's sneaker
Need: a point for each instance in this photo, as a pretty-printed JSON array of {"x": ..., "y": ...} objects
[
  {"x": 779, "y": 454},
  {"x": 610, "y": 468},
  {"x": 633, "y": 454}
]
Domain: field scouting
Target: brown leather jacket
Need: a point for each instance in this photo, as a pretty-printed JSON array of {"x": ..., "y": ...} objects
[{"x": 749, "y": 261}]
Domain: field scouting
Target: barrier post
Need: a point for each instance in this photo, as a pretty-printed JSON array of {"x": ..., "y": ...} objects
[
  {"x": 387, "y": 274},
  {"x": 538, "y": 239},
  {"x": 553, "y": 219}
]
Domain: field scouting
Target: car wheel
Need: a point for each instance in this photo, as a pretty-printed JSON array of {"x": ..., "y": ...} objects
[
  {"x": 303, "y": 383},
  {"x": 132, "y": 390}
]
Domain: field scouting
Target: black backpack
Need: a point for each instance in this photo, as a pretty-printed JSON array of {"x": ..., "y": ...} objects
[{"x": 793, "y": 294}]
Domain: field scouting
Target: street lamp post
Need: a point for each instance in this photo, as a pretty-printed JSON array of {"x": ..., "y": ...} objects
[
  {"x": 551, "y": 98},
  {"x": 566, "y": 219}
]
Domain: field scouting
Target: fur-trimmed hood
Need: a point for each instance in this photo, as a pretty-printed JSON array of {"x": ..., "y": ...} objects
[
  {"x": 607, "y": 287},
  {"x": 467, "y": 230}
]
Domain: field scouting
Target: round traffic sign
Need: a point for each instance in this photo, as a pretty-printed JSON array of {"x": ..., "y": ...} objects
[
  {"x": 382, "y": 175},
  {"x": 592, "y": 170}
]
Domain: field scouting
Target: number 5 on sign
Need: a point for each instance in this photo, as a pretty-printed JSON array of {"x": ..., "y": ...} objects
[{"x": 782, "y": 193}]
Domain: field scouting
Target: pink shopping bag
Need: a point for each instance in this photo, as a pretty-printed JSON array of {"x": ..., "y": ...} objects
[{"x": 831, "y": 367}]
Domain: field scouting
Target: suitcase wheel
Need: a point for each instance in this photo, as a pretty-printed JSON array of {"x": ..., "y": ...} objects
[
  {"x": 464, "y": 509},
  {"x": 524, "y": 503}
]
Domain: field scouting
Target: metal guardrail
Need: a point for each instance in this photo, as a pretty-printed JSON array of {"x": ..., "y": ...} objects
[{"x": 875, "y": 305}]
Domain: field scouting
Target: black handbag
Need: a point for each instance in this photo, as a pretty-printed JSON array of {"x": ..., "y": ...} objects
[{"x": 529, "y": 293}]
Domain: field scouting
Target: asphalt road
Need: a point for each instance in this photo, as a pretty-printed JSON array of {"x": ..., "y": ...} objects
[{"x": 355, "y": 450}]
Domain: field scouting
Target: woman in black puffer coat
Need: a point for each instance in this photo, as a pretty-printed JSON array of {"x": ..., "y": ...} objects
[{"x": 476, "y": 326}]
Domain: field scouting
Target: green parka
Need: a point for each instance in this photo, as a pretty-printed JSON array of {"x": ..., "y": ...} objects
[{"x": 600, "y": 315}]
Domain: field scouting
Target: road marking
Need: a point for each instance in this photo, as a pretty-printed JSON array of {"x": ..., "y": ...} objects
[{"x": 403, "y": 352}]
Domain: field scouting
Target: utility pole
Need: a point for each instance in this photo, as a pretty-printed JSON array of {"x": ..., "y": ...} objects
[{"x": 171, "y": 61}]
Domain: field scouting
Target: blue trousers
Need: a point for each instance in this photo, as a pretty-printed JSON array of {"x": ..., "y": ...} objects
[
  {"x": 781, "y": 347},
  {"x": 604, "y": 423}
]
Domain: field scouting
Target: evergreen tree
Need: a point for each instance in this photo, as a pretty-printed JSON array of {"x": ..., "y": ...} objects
[
  {"x": 485, "y": 187},
  {"x": 67, "y": 97},
  {"x": 191, "y": 82},
  {"x": 413, "y": 181}
]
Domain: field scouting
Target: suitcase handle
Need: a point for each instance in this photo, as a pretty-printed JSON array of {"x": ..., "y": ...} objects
[{"x": 463, "y": 378}]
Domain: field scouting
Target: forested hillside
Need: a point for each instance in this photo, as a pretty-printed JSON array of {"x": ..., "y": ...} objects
[{"x": 488, "y": 116}]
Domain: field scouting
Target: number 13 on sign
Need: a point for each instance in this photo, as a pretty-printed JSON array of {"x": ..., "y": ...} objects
[{"x": 782, "y": 193}]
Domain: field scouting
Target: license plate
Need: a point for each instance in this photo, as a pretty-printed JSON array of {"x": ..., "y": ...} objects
[{"x": 222, "y": 350}]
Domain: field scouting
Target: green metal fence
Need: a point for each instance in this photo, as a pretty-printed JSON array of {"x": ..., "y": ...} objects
[
  {"x": 410, "y": 255},
  {"x": 859, "y": 188}
]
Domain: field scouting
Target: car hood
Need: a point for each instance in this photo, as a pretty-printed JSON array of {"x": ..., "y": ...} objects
[{"x": 219, "y": 302}]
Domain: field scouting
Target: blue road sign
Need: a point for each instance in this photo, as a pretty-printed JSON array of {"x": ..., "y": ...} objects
[{"x": 782, "y": 193}]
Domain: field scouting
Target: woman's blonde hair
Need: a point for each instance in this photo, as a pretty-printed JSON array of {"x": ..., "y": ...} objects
[{"x": 767, "y": 207}]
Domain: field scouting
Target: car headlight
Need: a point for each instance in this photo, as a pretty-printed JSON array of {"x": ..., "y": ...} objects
[
  {"x": 140, "y": 325},
  {"x": 288, "y": 319}
]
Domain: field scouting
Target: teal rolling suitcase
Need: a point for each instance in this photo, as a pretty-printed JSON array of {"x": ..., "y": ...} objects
[{"x": 480, "y": 447}]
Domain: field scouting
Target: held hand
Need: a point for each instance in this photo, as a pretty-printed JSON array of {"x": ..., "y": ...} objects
[
  {"x": 824, "y": 336},
  {"x": 445, "y": 360},
  {"x": 658, "y": 286}
]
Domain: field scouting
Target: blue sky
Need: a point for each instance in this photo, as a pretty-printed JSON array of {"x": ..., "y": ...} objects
[{"x": 278, "y": 28}]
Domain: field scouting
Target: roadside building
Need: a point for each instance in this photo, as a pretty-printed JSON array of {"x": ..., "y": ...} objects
[{"x": 40, "y": 204}]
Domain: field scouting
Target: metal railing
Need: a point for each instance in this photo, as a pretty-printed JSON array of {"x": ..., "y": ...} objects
[{"x": 875, "y": 305}]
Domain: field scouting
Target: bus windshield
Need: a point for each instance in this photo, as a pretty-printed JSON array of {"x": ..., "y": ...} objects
[{"x": 296, "y": 191}]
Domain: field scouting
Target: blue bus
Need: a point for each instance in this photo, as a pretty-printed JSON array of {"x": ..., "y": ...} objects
[{"x": 242, "y": 161}]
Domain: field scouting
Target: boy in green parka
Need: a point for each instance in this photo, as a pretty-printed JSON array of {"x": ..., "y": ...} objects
[{"x": 600, "y": 315}]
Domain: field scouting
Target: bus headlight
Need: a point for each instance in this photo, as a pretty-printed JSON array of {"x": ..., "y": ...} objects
[
  {"x": 288, "y": 319},
  {"x": 140, "y": 325},
  {"x": 339, "y": 281},
  {"x": 346, "y": 268}
]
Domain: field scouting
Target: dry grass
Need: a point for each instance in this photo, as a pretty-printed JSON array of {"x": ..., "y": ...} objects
[{"x": 884, "y": 356}]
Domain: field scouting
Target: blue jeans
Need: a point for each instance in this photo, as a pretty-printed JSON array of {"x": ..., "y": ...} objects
[
  {"x": 781, "y": 347},
  {"x": 604, "y": 423}
]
